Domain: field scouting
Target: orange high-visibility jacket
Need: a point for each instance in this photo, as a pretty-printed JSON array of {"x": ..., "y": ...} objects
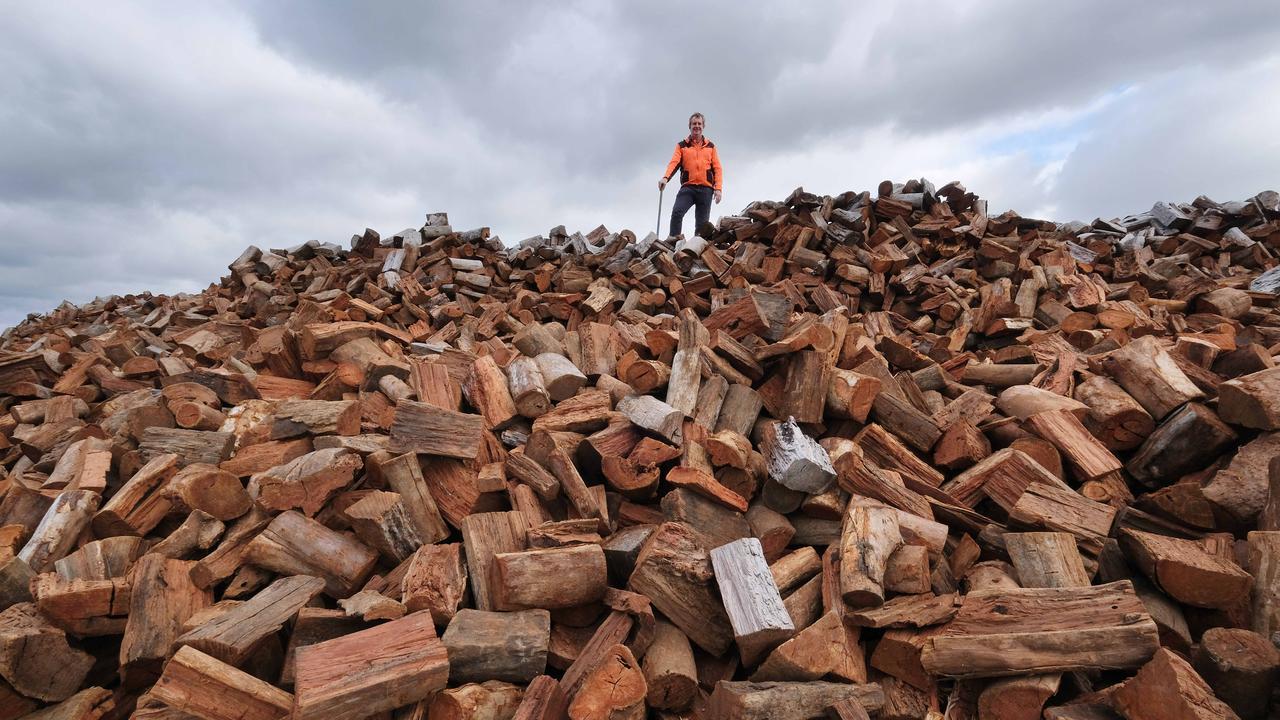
[{"x": 699, "y": 163}]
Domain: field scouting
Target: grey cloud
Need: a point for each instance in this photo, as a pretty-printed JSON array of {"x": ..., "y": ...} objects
[{"x": 143, "y": 145}]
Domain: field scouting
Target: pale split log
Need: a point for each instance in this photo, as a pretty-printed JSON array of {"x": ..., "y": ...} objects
[
  {"x": 751, "y": 600},
  {"x": 527, "y": 387},
  {"x": 795, "y": 460},
  {"x": 59, "y": 529},
  {"x": 868, "y": 538}
]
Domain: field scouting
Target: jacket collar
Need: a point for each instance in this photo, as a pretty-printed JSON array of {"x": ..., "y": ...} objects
[{"x": 688, "y": 140}]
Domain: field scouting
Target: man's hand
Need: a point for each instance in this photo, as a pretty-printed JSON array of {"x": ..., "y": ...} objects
[
  {"x": 717, "y": 196},
  {"x": 662, "y": 184}
]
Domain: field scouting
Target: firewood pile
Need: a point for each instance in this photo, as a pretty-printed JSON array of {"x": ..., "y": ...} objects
[{"x": 872, "y": 455}]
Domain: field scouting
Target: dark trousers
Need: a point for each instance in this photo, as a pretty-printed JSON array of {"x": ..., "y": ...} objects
[{"x": 690, "y": 195}]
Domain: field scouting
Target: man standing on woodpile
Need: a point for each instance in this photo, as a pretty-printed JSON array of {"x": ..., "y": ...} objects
[{"x": 701, "y": 179}]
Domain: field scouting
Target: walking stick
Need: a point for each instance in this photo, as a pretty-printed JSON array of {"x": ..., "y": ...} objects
[{"x": 658, "y": 230}]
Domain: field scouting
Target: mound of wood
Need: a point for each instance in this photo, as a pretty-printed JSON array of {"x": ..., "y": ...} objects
[{"x": 856, "y": 456}]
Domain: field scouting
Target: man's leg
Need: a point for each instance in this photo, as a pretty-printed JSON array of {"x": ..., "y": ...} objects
[
  {"x": 684, "y": 201},
  {"x": 702, "y": 213}
]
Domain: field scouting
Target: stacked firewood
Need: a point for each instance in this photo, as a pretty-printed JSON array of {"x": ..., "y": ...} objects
[{"x": 875, "y": 455}]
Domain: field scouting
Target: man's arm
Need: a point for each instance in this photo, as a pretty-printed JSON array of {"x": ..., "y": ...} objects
[
  {"x": 671, "y": 167},
  {"x": 715, "y": 164}
]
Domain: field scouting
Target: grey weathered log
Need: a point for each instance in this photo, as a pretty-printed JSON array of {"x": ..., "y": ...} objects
[
  {"x": 751, "y": 599},
  {"x": 795, "y": 460}
]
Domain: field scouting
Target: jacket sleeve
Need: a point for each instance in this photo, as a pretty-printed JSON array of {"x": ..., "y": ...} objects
[
  {"x": 675, "y": 162},
  {"x": 715, "y": 164}
]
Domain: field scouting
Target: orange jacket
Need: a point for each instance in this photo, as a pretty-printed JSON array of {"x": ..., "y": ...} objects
[{"x": 699, "y": 163}]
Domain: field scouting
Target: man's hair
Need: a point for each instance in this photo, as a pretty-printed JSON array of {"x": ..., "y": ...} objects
[{"x": 698, "y": 115}]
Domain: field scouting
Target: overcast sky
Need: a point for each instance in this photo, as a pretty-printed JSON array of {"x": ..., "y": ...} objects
[{"x": 144, "y": 145}]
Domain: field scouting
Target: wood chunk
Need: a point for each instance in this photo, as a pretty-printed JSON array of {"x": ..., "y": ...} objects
[
  {"x": 1241, "y": 489},
  {"x": 824, "y": 648},
  {"x": 510, "y": 646},
  {"x": 1114, "y": 417},
  {"x": 1151, "y": 376},
  {"x": 851, "y": 394},
  {"x": 1187, "y": 440},
  {"x": 675, "y": 572},
  {"x": 141, "y": 503},
  {"x": 1240, "y": 667},
  {"x": 306, "y": 483},
  {"x": 403, "y": 474},
  {"x": 59, "y": 529},
  {"x": 553, "y": 578},
  {"x": 436, "y": 580},
  {"x": 475, "y": 701},
  {"x": 92, "y": 703},
  {"x": 614, "y": 690},
  {"x": 707, "y": 486},
  {"x": 1264, "y": 566},
  {"x": 788, "y": 700},
  {"x": 293, "y": 418},
  {"x": 1088, "y": 456},
  {"x": 35, "y": 659},
  {"x": 311, "y": 626},
  {"x": 225, "y": 559},
  {"x": 739, "y": 410},
  {"x": 795, "y": 460},
  {"x": 751, "y": 600},
  {"x": 293, "y": 544},
  {"x": 484, "y": 535},
  {"x": 234, "y": 635},
  {"x": 920, "y": 610},
  {"x": 163, "y": 598},
  {"x": 652, "y": 416},
  {"x": 1185, "y": 571},
  {"x": 203, "y": 686},
  {"x": 543, "y": 700},
  {"x": 908, "y": 570},
  {"x": 563, "y": 379},
  {"x": 381, "y": 520},
  {"x": 430, "y": 430},
  {"x": 371, "y": 606},
  {"x": 1252, "y": 400},
  {"x": 885, "y": 450},
  {"x": 1028, "y": 631},
  {"x": 266, "y": 455},
  {"x": 1052, "y": 507},
  {"x": 686, "y": 373},
  {"x": 1046, "y": 559},
  {"x": 370, "y": 671},
  {"x": 191, "y": 446},
  {"x": 669, "y": 669},
  {"x": 487, "y": 391},
  {"x": 1168, "y": 687},
  {"x": 868, "y": 538},
  {"x": 527, "y": 387},
  {"x": 208, "y": 489}
]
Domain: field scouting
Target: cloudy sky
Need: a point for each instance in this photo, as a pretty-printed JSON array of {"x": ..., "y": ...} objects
[{"x": 143, "y": 145}]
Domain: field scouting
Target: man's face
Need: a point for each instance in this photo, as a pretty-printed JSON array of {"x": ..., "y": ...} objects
[{"x": 695, "y": 127}]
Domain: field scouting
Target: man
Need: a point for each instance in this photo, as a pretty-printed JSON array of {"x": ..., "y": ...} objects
[{"x": 701, "y": 179}]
